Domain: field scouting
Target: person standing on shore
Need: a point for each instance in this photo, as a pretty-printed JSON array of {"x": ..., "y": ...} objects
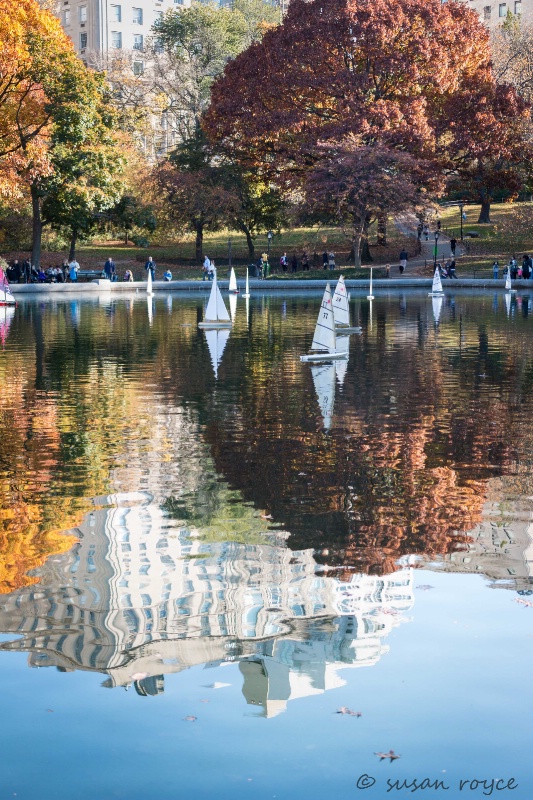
[
  {"x": 109, "y": 268},
  {"x": 150, "y": 265},
  {"x": 404, "y": 255},
  {"x": 495, "y": 270},
  {"x": 73, "y": 268}
]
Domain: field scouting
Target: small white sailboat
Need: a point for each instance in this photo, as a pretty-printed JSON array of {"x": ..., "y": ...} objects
[
  {"x": 232, "y": 307},
  {"x": 149, "y": 289},
  {"x": 436, "y": 302},
  {"x": 324, "y": 381},
  {"x": 436, "y": 289},
  {"x": 341, "y": 309},
  {"x": 324, "y": 345},
  {"x": 216, "y": 313},
  {"x": 370, "y": 296},
  {"x": 6, "y": 295},
  {"x": 233, "y": 283},
  {"x": 217, "y": 339},
  {"x": 247, "y": 291},
  {"x": 508, "y": 283}
]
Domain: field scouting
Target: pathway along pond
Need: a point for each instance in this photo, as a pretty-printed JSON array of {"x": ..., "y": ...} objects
[{"x": 208, "y": 549}]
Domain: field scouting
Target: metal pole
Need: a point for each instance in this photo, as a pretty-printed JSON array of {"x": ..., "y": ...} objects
[
  {"x": 461, "y": 211},
  {"x": 229, "y": 252}
]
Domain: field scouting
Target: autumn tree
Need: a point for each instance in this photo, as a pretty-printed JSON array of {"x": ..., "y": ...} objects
[
  {"x": 194, "y": 188},
  {"x": 387, "y": 72},
  {"x": 352, "y": 183}
]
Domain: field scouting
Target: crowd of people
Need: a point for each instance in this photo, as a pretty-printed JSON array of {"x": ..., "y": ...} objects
[
  {"x": 67, "y": 271},
  {"x": 523, "y": 271}
]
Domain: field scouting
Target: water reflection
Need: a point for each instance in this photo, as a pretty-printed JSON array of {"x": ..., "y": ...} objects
[
  {"x": 225, "y": 525},
  {"x": 138, "y": 598}
]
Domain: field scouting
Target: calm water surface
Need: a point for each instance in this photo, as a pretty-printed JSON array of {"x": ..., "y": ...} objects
[{"x": 208, "y": 548}]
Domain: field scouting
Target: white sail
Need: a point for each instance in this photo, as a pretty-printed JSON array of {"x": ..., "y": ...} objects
[
  {"x": 324, "y": 337},
  {"x": 216, "y": 310},
  {"x": 341, "y": 366},
  {"x": 233, "y": 281},
  {"x": 508, "y": 283},
  {"x": 436, "y": 302},
  {"x": 217, "y": 338},
  {"x": 341, "y": 310},
  {"x": 233, "y": 307},
  {"x": 247, "y": 292},
  {"x": 437, "y": 283},
  {"x": 149, "y": 289},
  {"x": 324, "y": 380},
  {"x": 370, "y": 296}
]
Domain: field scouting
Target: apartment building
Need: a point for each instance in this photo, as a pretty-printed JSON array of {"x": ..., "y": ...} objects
[
  {"x": 100, "y": 26},
  {"x": 494, "y": 13}
]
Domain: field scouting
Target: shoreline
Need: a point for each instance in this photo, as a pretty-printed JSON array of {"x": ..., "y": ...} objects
[{"x": 106, "y": 287}]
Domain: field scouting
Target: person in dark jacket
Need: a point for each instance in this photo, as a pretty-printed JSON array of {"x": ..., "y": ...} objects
[
  {"x": 109, "y": 268},
  {"x": 150, "y": 265}
]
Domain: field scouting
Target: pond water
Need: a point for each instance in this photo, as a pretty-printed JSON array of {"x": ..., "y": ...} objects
[{"x": 226, "y": 573}]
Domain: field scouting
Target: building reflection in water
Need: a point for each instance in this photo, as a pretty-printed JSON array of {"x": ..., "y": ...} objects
[{"x": 139, "y": 597}]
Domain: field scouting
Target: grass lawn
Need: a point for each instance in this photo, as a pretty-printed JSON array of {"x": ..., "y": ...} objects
[
  {"x": 510, "y": 233},
  {"x": 179, "y": 256}
]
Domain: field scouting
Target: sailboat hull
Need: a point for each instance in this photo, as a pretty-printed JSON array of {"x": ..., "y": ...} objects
[
  {"x": 214, "y": 324},
  {"x": 323, "y": 356}
]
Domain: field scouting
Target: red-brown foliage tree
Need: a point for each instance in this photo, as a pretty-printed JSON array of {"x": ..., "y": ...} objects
[{"x": 392, "y": 72}]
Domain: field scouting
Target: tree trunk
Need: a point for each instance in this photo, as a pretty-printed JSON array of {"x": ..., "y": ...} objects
[
  {"x": 357, "y": 240},
  {"x": 127, "y": 238},
  {"x": 37, "y": 227},
  {"x": 73, "y": 241},
  {"x": 484, "y": 214},
  {"x": 250, "y": 243},
  {"x": 382, "y": 230},
  {"x": 199, "y": 242}
]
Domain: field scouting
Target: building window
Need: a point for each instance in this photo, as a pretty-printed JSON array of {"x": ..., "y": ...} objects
[
  {"x": 83, "y": 13},
  {"x": 116, "y": 40},
  {"x": 138, "y": 67},
  {"x": 138, "y": 41},
  {"x": 486, "y": 12},
  {"x": 116, "y": 13},
  {"x": 503, "y": 10},
  {"x": 83, "y": 41},
  {"x": 137, "y": 16},
  {"x": 66, "y": 17},
  {"x": 518, "y": 7}
]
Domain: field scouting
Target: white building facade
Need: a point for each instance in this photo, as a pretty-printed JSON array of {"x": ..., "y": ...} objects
[{"x": 101, "y": 26}]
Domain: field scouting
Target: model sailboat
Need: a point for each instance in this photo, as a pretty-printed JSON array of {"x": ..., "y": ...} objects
[
  {"x": 324, "y": 345},
  {"x": 149, "y": 290},
  {"x": 436, "y": 289},
  {"x": 341, "y": 309},
  {"x": 6, "y": 296},
  {"x": 233, "y": 282},
  {"x": 508, "y": 282},
  {"x": 247, "y": 292},
  {"x": 370, "y": 296},
  {"x": 216, "y": 313}
]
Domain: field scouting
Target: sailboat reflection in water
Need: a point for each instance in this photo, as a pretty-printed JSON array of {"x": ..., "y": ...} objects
[{"x": 324, "y": 379}]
